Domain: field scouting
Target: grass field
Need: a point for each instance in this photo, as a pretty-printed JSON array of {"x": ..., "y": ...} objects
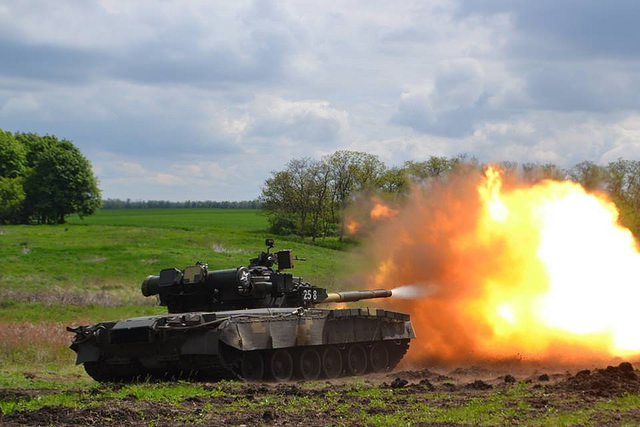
[
  {"x": 90, "y": 270},
  {"x": 111, "y": 252}
]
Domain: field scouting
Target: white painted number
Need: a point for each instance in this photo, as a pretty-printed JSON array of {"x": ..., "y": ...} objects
[{"x": 309, "y": 295}]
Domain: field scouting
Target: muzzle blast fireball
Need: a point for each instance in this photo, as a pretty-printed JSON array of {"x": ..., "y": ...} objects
[{"x": 529, "y": 271}]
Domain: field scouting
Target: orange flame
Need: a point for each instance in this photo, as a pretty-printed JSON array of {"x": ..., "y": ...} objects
[
  {"x": 380, "y": 211},
  {"x": 537, "y": 272},
  {"x": 352, "y": 226}
]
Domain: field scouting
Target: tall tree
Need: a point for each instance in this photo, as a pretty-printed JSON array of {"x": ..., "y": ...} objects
[
  {"x": 623, "y": 185},
  {"x": 11, "y": 199},
  {"x": 350, "y": 172},
  {"x": 60, "y": 181},
  {"x": 434, "y": 167},
  {"x": 535, "y": 172},
  {"x": 394, "y": 181},
  {"x": 590, "y": 175},
  {"x": 277, "y": 199},
  {"x": 13, "y": 156},
  {"x": 368, "y": 170},
  {"x": 320, "y": 176},
  {"x": 287, "y": 197}
]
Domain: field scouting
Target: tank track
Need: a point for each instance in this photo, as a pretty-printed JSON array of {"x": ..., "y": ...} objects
[
  {"x": 193, "y": 367},
  {"x": 316, "y": 362},
  {"x": 285, "y": 364}
]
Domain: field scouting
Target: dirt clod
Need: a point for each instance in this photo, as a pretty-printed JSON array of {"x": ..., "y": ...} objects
[
  {"x": 470, "y": 371},
  {"x": 420, "y": 374},
  {"x": 448, "y": 387},
  {"x": 427, "y": 384},
  {"x": 543, "y": 377},
  {"x": 399, "y": 383},
  {"x": 478, "y": 385},
  {"x": 625, "y": 367},
  {"x": 509, "y": 379},
  {"x": 613, "y": 380},
  {"x": 269, "y": 415},
  {"x": 583, "y": 374}
]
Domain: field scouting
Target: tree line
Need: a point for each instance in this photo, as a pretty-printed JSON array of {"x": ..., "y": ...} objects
[
  {"x": 43, "y": 179},
  {"x": 151, "y": 204},
  {"x": 309, "y": 197}
]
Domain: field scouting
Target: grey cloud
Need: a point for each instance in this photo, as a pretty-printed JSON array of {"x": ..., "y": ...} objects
[
  {"x": 451, "y": 107},
  {"x": 256, "y": 49},
  {"x": 306, "y": 127},
  {"x": 149, "y": 63},
  {"x": 565, "y": 56},
  {"x": 127, "y": 128},
  {"x": 565, "y": 29},
  {"x": 592, "y": 27},
  {"x": 451, "y": 123},
  {"x": 582, "y": 86},
  {"x": 165, "y": 84},
  {"x": 49, "y": 63},
  {"x": 190, "y": 178},
  {"x": 159, "y": 62},
  {"x": 300, "y": 121}
]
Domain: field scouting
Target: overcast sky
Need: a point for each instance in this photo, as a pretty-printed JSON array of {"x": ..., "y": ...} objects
[{"x": 200, "y": 100}]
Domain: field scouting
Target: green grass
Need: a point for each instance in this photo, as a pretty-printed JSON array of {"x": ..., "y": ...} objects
[
  {"x": 56, "y": 312},
  {"x": 356, "y": 403},
  {"x": 239, "y": 220},
  {"x": 69, "y": 397},
  {"x": 90, "y": 269},
  {"x": 114, "y": 250},
  {"x": 52, "y": 376}
]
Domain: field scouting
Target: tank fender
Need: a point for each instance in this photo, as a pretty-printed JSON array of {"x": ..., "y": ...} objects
[
  {"x": 137, "y": 322},
  {"x": 204, "y": 343},
  {"x": 272, "y": 332},
  {"x": 409, "y": 329},
  {"x": 87, "y": 352}
]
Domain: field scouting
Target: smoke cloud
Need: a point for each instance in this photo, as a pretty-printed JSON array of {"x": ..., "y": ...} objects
[{"x": 464, "y": 258}]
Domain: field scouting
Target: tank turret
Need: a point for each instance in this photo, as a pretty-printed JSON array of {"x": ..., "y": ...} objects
[{"x": 259, "y": 285}]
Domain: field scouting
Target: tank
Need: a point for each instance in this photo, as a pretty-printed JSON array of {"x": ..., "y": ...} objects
[{"x": 255, "y": 323}]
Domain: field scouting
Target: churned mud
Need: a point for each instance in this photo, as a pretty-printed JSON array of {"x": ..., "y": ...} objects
[{"x": 419, "y": 396}]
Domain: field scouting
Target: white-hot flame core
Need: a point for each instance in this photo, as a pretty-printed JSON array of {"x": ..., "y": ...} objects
[
  {"x": 585, "y": 280},
  {"x": 594, "y": 271}
]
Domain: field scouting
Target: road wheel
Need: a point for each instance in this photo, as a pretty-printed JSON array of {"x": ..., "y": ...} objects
[
  {"x": 281, "y": 365},
  {"x": 331, "y": 362},
  {"x": 309, "y": 364},
  {"x": 357, "y": 359},
  {"x": 252, "y": 366},
  {"x": 379, "y": 357}
]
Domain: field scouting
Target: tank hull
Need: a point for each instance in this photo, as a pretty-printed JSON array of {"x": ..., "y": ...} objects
[{"x": 254, "y": 344}]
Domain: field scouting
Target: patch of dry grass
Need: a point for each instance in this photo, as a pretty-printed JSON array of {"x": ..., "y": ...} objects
[
  {"x": 220, "y": 249},
  {"x": 58, "y": 295},
  {"x": 22, "y": 343}
]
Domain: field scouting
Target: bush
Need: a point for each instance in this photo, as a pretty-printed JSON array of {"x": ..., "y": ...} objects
[{"x": 281, "y": 226}]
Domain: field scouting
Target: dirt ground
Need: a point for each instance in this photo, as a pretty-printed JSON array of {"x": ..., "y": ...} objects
[{"x": 522, "y": 397}]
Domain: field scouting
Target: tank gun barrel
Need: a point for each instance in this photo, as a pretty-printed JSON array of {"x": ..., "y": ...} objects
[{"x": 349, "y": 296}]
